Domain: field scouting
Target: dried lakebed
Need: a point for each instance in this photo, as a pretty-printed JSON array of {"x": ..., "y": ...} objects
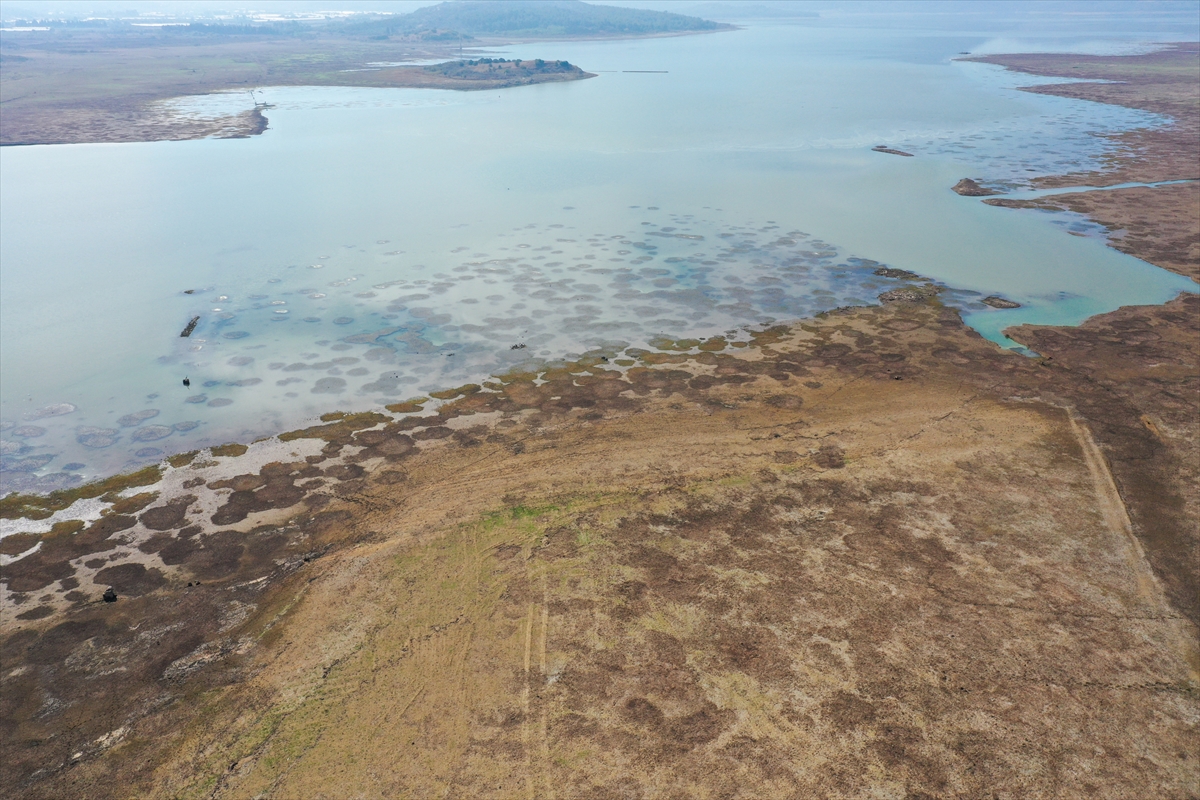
[{"x": 891, "y": 458}]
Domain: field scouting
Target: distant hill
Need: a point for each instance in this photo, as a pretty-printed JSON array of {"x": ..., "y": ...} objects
[{"x": 535, "y": 18}]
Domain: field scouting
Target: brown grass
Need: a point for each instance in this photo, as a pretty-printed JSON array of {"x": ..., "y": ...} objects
[{"x": 859, "y": 557}]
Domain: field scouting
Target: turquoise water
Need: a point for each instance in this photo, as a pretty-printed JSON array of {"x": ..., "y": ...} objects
[{"x": 376, "y": 244}]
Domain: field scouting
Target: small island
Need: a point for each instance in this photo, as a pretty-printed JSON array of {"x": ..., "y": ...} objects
[
  {"x": 971, "y": 188},
  {"x": 487, "y": 73},
  {"x": 469, "y": 74},
  {"x": 996, "y": 301},
  {"x": 883, "y": 148}
]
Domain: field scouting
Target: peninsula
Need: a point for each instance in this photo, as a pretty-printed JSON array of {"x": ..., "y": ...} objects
[{"x": 130, "y": 71}]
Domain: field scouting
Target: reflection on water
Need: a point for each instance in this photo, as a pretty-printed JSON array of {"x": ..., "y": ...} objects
[{"x": 374, "y": 245}]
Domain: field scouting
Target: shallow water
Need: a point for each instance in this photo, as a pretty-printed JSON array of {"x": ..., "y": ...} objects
[
  {"x": 376, "y": 244},
  {"x": 1034, "y": 194}
]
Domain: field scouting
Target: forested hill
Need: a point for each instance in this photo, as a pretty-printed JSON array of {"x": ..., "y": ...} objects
[{"x": 536, "y": 18}]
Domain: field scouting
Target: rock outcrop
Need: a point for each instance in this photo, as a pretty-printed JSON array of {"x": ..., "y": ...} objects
[{"x": 969, "y": 188}]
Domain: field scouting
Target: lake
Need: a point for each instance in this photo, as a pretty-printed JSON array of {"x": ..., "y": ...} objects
[{"x": 378, "y": 244}]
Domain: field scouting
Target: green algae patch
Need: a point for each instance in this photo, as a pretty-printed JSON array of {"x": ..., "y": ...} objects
[
  {"x": 771, "y": 335},
  {"x": 515, "y": 513},
  {"x": 471, "y": 404},
  {"x": 678, "y": 345},
  {"x": 713, "y": 345},
  {"x": 663, "y": 358},
  {"x": 231, "y": 449},
  {"x": 413, "y": 406},
  {"x": 183, "y": 459},
  {"x": 517, "y": 377},
  {"x": 661, "y": 343},
  {"x": 68, "y": 527},
  {"x": 134, "y": 504},
  {"x": 557, "y": 375},
  {"x": 656, "y": 358},
  {"x": 32, "y": 506},
  {"x": 345, "y": 425},
  {"x": 461, "y": 391}
]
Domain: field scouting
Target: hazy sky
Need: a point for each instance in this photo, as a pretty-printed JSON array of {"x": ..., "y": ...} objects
[{"x": 1178, "y": 19}]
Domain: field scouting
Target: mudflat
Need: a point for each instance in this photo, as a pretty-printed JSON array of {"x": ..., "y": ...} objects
[
  {"x": 868, "y": 554},
  {"x": 1163, "y": 81},
  {"x": 1161, "y": 224}
]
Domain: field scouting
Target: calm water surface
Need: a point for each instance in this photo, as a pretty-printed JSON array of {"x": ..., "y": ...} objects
[{"x": 373, "y": 245}]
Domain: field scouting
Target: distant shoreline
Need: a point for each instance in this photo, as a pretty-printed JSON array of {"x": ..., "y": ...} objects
[
  {"x": 53, "y": 108},
  {"x": 148, "y": 123}
]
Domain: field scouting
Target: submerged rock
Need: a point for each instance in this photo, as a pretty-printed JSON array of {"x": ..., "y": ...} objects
[
  {"x": 892, "y": 272},
  {"x": 996, "y": 301},
  {"x": 152, "y": 433},
  {"x": 909, "y": 294},
  {"x": 97, "y": 437},
  {"x": 969, "y": 188},
  {"x": 39, "y": 484},
  {"x": 137, "y": 417},
  {"x": 29, "y": 464},
  {"x": 56, "y": 410},
  {"x": 329, "y": 386}
]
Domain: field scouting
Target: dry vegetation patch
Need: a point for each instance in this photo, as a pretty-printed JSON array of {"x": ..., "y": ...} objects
[{"x": 862, "y": 557}]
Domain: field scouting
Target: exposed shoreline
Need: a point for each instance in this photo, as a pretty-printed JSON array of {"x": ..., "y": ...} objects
[{"x": 1159, "y": 224}]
